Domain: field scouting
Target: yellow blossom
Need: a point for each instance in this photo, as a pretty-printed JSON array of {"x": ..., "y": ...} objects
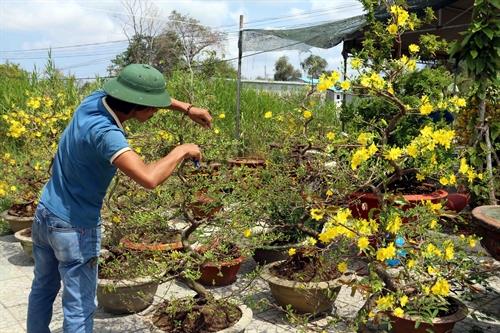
[
  {"x": 426, "y": 290},
  {"x": 444, "y": 181},
  {"x": 222, "y": 116},
  {"x": 116, "y": 219},
  {"x": 372, "y": 149},
  {"x": 363, "y": 243},
  {"x": 268, "y": 114},
  {"x": 420, "y": 177},
  {"x": 356, "y": 63},
  {"x": 394, "y": 224},
  {"x": 360, "y": 155},
  {"x": 311, "y": 241},
  {"x": 410, "y": 264},
  {"x": 431, "y": 270},
  {"x": 247, "y": 233},
  {"x": 292, "y": 251},
  {"x": 385, "y": 253},
  {"x": 464, "y": 168},
  {"x": 472, "y": 242},
  {"x": 342, "y": 267},
  {"x": 433, "y": 224},
  {"x": 216, "y": 130},
  {"x": 413, "y": 48},
  {"x": 329, "y": 193},
  {"x": 334, "y": 76},
  {"x": 425, "y": 109},
  {"x": 398, "y": 312},
  {"x": 316, "y": 214},
  {"x": 330, "y": 136},
  {"x": 403, "y": 300},
  {"x": 385, "y": 302},
  {"x": 393, "y": 154},
  {"x": 345, "y": 85},
  {"x": 392, "y": 28},
  {"x": 449, "y": 252},
  {"x": 441, "y": 287},
  {"x": 13, "y": 188},
  {"x": 307, "y": 114},
  {"x": 363, "y": 138},
  {"x": 412, "y": 150}
]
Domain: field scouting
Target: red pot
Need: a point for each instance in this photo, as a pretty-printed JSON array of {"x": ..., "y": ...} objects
[
  {"x": 439, "y": 324},
  {"x": 361, "y": 203},
  {"x": 211, "y": 273},
  {"x": 457, "y": 201}
]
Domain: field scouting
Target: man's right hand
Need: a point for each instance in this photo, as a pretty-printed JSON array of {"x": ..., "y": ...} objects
[{"x": 191, "y": 151}]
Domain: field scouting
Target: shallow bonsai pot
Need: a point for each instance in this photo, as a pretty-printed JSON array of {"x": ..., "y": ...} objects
[
  {"x": 303, "y": 297},
  {"x": 439, "y": 325},
  {"x": 138, "y": 246},
  {"x": 24, "y": 237},
  {"x": 238, "y": 327},
  {"x": 126, "y": 296},
  {"x": 246, "y": 161},
  {"x": 222, "y": 274},
  {"x": 17, "y": 223},
  {"x": 361, "y": 203},
  {"x": 488, "y": 219}
]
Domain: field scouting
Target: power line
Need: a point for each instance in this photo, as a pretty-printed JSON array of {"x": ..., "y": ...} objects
[{"x": 67, "y": 46}]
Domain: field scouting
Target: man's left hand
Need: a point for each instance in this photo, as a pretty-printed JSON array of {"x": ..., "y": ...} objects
[{"x": 200, "y": 116}]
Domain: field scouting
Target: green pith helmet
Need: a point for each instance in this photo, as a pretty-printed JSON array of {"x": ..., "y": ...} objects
[{"x": 139, "y": 84}]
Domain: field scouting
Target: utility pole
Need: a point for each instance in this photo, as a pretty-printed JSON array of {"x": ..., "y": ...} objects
[{"x": 238, "y": 83}]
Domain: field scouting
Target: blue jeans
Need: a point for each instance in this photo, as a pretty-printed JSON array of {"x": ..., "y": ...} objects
[{"x": 68, "y": 254}]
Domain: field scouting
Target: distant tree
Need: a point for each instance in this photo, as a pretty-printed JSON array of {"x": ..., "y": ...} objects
[
  {"x": 284, "y": 71},
  {"x": 314, "y": 66},
  {"x": 212, "y": 66}
]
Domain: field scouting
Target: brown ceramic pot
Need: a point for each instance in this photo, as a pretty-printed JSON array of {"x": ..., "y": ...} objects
[
  {"x": 139, "y": 246},
  {"x": 221, "y": 274},
  {"x": 246, "y": 161},
  {"x": 439, "y": 324},
  {"x": 457, "y": 201},
  {"x": 488, "y": 219},
  {"x": 17, "y": 223},
  {"x": 303, "y": 297}
]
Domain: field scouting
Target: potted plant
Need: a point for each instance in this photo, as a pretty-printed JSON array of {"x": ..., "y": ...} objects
[{"x": 23, "y": 236}]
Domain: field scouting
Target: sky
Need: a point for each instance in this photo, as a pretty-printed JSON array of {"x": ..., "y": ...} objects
[{"x": 84, "y": 35}]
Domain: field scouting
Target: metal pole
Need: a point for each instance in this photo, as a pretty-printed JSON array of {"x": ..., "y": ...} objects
[{"x": 238, "y": 82}]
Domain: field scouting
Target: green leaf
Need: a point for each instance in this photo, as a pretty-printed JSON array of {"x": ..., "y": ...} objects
[
  {"x": 474, "y": 54},
  {"x": 488, "y": 32}
]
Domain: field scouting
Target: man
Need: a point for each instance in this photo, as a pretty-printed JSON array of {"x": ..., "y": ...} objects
[{"x": 66, "y": 228}]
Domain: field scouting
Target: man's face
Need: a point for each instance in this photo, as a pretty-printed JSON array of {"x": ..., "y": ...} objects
[{"x": 145, "y": 114}]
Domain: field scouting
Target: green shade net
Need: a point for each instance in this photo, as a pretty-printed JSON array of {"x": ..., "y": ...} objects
[{"x": 323, "y": 36}]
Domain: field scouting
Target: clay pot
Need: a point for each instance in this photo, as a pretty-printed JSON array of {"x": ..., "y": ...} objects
[
  {"x": 361, "y": 203},
  {"x": 246, "y": 161},
  {"x": 303, "y": 297},
  {"x": 203, "y": 206},
  {"x": 222, "y": 274},
  {"x": 439, "y": 324},
  {"x": 457, "y": 201},
  {"x": 138, "y": 246},
  {"x": 488, "y": 219},
  {"x": 17, "y": 223},
  {"x": 126, "y": 296},
  {"x": 24, "y": 237}
]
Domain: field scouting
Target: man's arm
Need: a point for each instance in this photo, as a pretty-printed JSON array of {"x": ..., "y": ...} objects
[
  {"x": 198, "y": 115},
  {"x": 153, "y": 174}
]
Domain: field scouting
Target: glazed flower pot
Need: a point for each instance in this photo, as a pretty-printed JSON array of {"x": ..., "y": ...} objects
[
  {"x": 457, "y": 201},
  {"x": 361, "y": 203},
  {"x": 17, "y": 223},
  {"x": 24, "y": 237},
  {"x": 126, "y": 296},
  {"x": 488, "y": 220},
  {"x": 439, "y": 324},
  {"x": 222, "y": 274},
  {"x": 303, "y": 297}
]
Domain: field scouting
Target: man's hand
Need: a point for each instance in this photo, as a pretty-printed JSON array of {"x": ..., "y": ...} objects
[
  {"x": 200, "y": 116},
  {"x": 190, "y": 150}
]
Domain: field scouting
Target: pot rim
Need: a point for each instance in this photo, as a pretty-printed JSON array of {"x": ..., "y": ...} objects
[
  {"x": 439, "y": 194},
  {"x": 486, "y": 220},
  {"x": 232, "y": 262},
  {"x": 18, "y": 235},
  {"x": 150, "y": 246},
  {"x": 270, "y": 278},
  {"x": 452, "y": 318},
  {"x": 123, "y": 283},
  {"x": 6, "y": 216}
]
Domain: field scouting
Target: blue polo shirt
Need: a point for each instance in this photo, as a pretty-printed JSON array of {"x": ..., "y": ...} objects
[{"x": 82, "y": 168}]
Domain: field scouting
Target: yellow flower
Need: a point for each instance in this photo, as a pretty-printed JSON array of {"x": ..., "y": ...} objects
[
  {"x": 247, "y": 233},
  {"x": 412, "y": 150},
  {"x": 420, "y": 177},
  {"x": 292, "y": 251},
  {"x": 426, "y": 290},
  {"x": 372, "y": 149},
  {"x": 385, "y": 302},
  {"x": 116, "y": 219},
  {"x": 449, "y": 252},
  {"x": 464, "y": 168},
  {"x": 390, "y": 89},
  {"x": 334, "y": 76},
  {"x": 330, "y": 136},
  {"x": 398, "y": 312},
  {"x": 307, "y": 114},
  {"x": 403, "y": 300},
  {"x": 393, "y": 154},
  {"x": 385, "y": 253},
  {"x": 444, "y": 181},
  {"x": 441, "y": 287},
  {"x": 359, "y": 156},
  {"x": 363, "y": 243},
  {"x": 216, "y": 130},
  {"x": 433, "y": 224},
  {"x": 329, "y": 193},
  {"x": 392, "y": 28},
  {"x": 363, "y": 138},
  {"x": 356, "y": 63},
  {"x": 268, "y": 114},
  {"x": 13, "y": 188},
  {"x": 472, "y": 242},
  {"x": 222, "y": 116},
  {"x": 316, "y": 214},
  {"x": 431, "y": 270},
  {"x": 345, "y": 85},
  {"x": 413, "y": 48},
  {"x": 425, "y": 109},
  {"x": 410, "y": 264},
  {"x": 394, "y": 224},
  {"x": 342, "y": 267}
]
